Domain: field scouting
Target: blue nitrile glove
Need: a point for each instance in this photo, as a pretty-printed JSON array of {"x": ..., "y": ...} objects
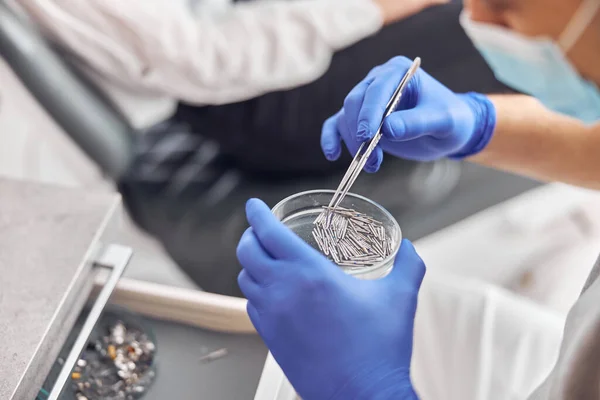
[
  {"x": 432, "y": 122},
  {"x": 336, "y": 337}
]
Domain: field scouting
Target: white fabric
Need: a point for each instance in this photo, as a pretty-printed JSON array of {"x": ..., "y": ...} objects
[
  {"x": 203, "y": 51},
  {"x": 475, "y": 341},
  {"x": 541, "y": 244},
  {"x": 32, "y": 146}
]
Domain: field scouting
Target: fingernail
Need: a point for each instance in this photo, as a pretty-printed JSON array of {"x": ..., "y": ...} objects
[
  {"x": 363, "y": 132},
  {"x": 392, "y": 132},
  {"x": 333, "y": 154},
  {"x": 371, "y": 167}
]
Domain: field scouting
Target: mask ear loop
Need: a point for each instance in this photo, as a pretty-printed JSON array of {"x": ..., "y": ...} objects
[{"x": 580, "y": 21}]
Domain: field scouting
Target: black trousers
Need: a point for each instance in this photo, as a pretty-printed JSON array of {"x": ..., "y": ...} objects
[{"x": 279, "y": 132}]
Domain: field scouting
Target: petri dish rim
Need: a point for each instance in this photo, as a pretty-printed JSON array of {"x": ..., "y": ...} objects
[{"x": 353, "y": 271}]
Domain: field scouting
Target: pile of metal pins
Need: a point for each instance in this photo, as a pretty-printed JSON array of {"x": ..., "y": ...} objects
[
  {"x": 117, "y": 366},
  {"x": 350, "y": 238}
]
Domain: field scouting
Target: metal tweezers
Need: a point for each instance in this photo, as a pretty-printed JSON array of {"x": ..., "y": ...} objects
[{"x": 365, "y": 149}]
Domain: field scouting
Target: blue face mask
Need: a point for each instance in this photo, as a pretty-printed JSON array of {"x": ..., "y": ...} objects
[{"x": 538, "y": 66}]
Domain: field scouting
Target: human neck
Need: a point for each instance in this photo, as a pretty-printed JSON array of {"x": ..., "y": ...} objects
[{"x": 585, "y": 54}]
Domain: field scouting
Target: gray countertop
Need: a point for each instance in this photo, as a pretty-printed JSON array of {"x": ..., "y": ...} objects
[
  {"x": 182, "y": 376},
  {"x": 46, "y": 234}
]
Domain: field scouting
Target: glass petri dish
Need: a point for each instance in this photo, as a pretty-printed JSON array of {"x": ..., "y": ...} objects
[{"x": 299, "y": 211}]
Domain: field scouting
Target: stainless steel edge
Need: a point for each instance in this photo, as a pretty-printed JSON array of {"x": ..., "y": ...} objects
[{"x": 115, "y": 257}]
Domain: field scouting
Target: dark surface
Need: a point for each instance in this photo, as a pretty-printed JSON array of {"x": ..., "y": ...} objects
[
  {"x": 182, "y": 376},
  {"x": 187, "y": 198}
]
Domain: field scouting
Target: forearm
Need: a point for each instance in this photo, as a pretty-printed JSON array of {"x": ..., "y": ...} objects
[
  {"x": 207, "y": 55},
  {"x": 533, "y": 141},
  {"x": 264, "y": 46}
]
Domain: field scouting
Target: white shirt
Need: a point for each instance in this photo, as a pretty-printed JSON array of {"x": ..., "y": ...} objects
[{"x": 147, "y": 54}]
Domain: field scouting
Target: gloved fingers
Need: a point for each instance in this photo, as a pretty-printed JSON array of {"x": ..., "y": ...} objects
[
  {"x": 348, "y": 135},
  {"x": 254, "y": 258},
  {"x": 254, "y": 317},
  {"x": 353, "y": 103},
  {"x": 252, "y": 290},
  {"x": 277, "y": 239},
  {"x": 417, "y": 122},
  {"x": 331, "y": 140},
  {"x": 375, "y": 159},
  {"x": 409, "y": 269},
  {"x": 376, "y": 98},
  {"x": 410, "y": 95}
]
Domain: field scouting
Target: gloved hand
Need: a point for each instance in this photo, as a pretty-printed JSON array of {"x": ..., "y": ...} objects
[
  {"x": 336, "y": 337},
  {"x": 432, "y": 122}
]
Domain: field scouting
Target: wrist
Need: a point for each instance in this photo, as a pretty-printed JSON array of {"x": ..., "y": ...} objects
[
  {"x": 393, "y": 384},
  {"x": 484, "y": 124},
  {"x": 399, "y": 392},
  {"x": 383, "y": 12}
]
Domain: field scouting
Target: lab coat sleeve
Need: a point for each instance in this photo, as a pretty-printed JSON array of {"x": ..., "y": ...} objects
[{"x": 207, "y": 54}]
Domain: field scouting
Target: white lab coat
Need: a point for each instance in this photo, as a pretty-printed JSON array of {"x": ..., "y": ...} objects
[
  {"x": 499, "y": 285},
  {"x": 477, "y": 341},
  {"x": 148, "y": 53}
]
